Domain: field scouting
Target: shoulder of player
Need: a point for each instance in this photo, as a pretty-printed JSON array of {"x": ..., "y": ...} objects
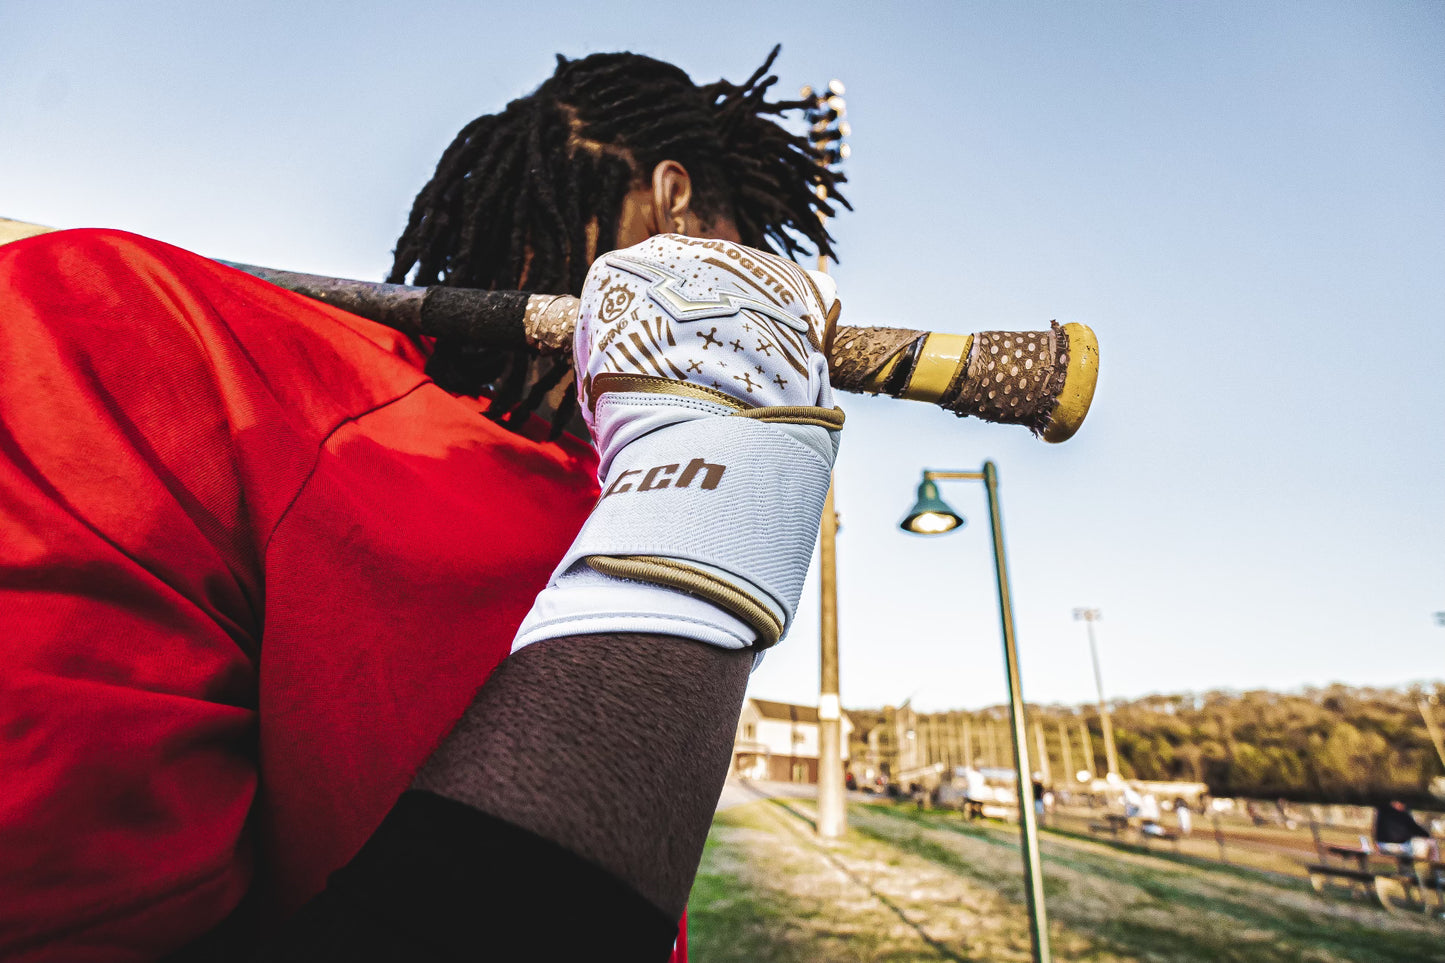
[{"x": 136, "y": 313}]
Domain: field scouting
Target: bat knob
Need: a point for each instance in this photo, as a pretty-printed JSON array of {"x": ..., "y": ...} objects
[{"x": 1080, "y": 375}]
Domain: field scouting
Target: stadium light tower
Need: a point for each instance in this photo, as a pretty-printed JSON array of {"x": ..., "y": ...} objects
[{"x": 1089, "y": 617}]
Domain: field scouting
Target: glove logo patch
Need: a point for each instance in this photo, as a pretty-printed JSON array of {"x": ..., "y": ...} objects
[
  {"x": 615, "y": 302},
  {"x": 662, "y": 477},
  {"x": 663, "y": 289}
]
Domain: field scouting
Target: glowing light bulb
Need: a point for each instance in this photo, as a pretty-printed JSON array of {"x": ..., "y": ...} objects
[{"x": 933, "y": 523}]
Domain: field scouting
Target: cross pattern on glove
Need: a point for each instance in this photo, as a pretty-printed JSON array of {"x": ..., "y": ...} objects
[{"x": 762, "y": 307}]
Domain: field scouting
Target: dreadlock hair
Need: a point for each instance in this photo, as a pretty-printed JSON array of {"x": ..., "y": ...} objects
[{"x": 515, "y": 196}]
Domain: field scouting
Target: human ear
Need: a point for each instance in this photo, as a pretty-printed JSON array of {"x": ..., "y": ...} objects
[{"x": 671, "y": 197}]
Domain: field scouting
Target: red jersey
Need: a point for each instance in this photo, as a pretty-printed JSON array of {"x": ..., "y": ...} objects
[{"x": 253, "y": 566}]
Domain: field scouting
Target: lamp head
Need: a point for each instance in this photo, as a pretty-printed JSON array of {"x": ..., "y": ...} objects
[{"x": 930, "y": 515}]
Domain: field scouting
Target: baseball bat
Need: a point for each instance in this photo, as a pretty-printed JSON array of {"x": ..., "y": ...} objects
[{"x": 1043, "y": 380}]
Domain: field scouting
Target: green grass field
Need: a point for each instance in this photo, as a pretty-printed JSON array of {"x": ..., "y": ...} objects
[{"x": 909, "y": 885}]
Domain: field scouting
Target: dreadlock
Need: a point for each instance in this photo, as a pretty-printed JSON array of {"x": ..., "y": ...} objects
[{"x": 515, "y": 196}]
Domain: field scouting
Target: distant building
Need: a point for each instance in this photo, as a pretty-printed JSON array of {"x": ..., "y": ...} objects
[{"x": 779, "y": 741}]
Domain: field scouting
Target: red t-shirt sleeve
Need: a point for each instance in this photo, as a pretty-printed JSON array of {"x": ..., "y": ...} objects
[{"x": 127, "y": 692}]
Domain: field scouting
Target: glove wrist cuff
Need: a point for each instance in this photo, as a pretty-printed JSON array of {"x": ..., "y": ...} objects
[{"x": 723, "y": 509}]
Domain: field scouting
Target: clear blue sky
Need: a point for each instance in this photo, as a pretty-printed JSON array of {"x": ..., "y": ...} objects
[{"x": 1246, "y": 201}]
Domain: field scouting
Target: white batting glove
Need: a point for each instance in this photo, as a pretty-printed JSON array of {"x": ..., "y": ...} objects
[{"x": 703, "y": 378}]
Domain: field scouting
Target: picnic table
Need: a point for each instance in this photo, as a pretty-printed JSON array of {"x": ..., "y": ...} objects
[
  {"x": 1405, "y": 887},
  {"x": 1411, "y": 885},
  {"x": 1346, "y": 853},
  {"x": 1113, "y": 824}
]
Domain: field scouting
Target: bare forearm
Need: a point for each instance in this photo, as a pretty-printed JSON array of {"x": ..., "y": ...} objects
[{"x": 614, "y": 746}]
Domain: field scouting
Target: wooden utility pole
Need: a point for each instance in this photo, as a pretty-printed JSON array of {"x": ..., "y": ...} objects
[
  {"x": 1070, "y": 773},
  {"x": 1043, "y": 753},
  {"x": 832, "y": 811},
  {"x": 1088, "y": 745},
  {"x": 1432, "y": 727}
]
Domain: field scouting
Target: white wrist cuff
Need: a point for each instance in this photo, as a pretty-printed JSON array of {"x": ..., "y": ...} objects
[
  {"x": 704, "y": 531},
  {"x": 725, "y": 509}
]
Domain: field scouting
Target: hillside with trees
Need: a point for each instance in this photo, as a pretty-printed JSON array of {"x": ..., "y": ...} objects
[{"x": 1333, "y": 744}]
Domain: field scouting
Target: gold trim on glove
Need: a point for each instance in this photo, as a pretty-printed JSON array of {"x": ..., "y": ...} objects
[
  {"x": 831, "y": 418},
  {"x": 617, "y": 381},
  {"x": 673, "y": 574}
]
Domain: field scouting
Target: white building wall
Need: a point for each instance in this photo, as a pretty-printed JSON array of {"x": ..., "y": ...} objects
[{"x": 778, "y": 736}]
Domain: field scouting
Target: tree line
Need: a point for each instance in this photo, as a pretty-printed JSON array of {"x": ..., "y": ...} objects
[{"x": 1337, "y": 744}]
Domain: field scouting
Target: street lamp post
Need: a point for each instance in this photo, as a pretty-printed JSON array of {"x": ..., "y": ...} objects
[
  {"x": 1089, "y": 617},
  {"x": 932, "y": 516}
]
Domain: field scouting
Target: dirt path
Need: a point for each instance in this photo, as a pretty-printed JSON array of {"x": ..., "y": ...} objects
[
  {"x": 737, "y": 792},
  {"x": 802, "y": 899}
]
